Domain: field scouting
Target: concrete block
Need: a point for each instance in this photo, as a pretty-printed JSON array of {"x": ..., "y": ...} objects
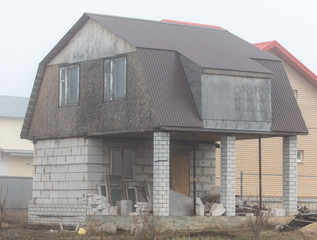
[
  {"x": 126, "y": 207},
  {"x": 114, "y": 210},
  {"x": 67, "y": 151},
  {"x": 200, "y": 209},
  {"x": 109, "y": 227},
  {"x": 217, "y": 209},
  {"x": 180, "y": 205},
  {"x": 278, "y": 212}
]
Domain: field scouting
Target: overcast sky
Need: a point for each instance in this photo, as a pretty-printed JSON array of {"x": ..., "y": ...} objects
[{"x": 31, "y": 28}]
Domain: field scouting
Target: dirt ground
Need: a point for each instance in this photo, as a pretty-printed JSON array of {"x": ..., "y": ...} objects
[{"x": 16, "y": 227}]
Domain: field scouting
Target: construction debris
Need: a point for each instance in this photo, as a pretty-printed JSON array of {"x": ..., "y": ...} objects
[
  {"x": 143, "y": 208},
  {"x": 217, "y": 209},
  {"x": 109, "y": 227},
  {"x": 200, "y": 210},
  {"x": 98, "y": 205},
  {"x": 82, "y": 231},
  {"x": 302, "y": 219}
]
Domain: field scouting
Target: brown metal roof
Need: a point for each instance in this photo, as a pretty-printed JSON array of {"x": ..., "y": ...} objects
[
  {"x": 169, "y": 89},
  {"x": 209, "y": 48},
  {"x": 286, "y": 115}
]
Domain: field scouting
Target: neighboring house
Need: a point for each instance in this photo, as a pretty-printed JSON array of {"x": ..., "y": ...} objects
[
  {"x": 304, "y": 85},
  {"x": 16, "y": 155},
  {"x": 148, "y": 101}
]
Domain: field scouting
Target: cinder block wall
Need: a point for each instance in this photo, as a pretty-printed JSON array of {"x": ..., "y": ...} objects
[
  {"x": 205, "y": 168},
  {"x": 65, "y": 170}
]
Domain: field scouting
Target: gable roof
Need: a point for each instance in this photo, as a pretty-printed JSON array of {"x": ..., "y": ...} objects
[
  {"x": 290, "y": 59},
  {"x": 208, "y": 47},
  {"x": 13, "y": 107}
]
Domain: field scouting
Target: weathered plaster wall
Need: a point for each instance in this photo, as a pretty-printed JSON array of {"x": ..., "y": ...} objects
[
  {"x": 92, "y": 114},
  {"x": 236, "y": 103},
  {"x": 92, "y": 41}
]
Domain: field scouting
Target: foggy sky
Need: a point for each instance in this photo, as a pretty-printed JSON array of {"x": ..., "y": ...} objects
[{"x": 30, "y": 29}]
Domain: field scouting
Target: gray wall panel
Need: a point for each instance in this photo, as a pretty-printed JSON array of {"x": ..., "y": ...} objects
[
  {"x": 19, "y": 191},
  {"x": 237, "y": 103}
]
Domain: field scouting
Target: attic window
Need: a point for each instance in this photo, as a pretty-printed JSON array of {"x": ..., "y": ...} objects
[
  {"x": 115, "y": 79},
  {"x": 69, "y": 85}
]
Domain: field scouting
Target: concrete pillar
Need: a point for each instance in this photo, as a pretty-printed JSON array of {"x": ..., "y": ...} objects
[
  {"x": 161, "y": 173},
  {"x": 227, "y": 193},
  {"x": 290, "y": 175}
]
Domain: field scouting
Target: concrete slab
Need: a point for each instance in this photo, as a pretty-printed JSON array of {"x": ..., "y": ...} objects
[{"x": 180, "y": 205}]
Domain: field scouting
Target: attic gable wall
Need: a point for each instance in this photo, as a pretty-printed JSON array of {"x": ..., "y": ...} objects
[
  {"x": 92, "y": 41},
  {"x": 92, "y": 115}
]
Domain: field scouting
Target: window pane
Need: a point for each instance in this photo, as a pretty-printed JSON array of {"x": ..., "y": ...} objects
[
  {"x": 128, "y": 160},
  {"x": 119, "y": 80},
  {"x": 108, "y": 86},
  {"x": 62, "y": 73},
  {"x": 62, "y": 93},
  {"x": 72, "y": 85},
  {"x": 117, "y": 162}
]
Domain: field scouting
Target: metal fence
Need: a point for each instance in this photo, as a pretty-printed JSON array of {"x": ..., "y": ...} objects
[
  {"x": 247, "y": 184},
  {"x": 16, "y": 190}
]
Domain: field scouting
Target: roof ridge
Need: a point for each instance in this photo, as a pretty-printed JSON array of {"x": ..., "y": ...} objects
[{"x": 159, "y": 22}]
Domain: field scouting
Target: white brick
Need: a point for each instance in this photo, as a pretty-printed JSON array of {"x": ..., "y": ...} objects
[{"x": 227, "y": 195}]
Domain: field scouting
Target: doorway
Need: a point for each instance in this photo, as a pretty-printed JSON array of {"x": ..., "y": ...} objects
[{"x": 179, "y": 174}]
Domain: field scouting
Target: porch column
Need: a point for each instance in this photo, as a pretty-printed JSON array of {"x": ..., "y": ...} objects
[
  {"x": 227, "y": 193},
  {"x": 290, "y": 175},
  {"x": 161, "y": 173}
]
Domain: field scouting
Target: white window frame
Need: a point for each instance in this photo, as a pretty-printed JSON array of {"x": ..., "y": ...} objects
[
  {"x": 111, "y": 75},
  {"x": 301, "y": 158},
  {"x": 61, "y": 81}
]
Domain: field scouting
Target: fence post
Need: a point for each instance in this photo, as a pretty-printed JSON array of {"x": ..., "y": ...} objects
[{"x": 241, "y": 185}]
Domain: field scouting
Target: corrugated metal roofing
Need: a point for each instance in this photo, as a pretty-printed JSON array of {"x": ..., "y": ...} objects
[
  {"x": 208, "y": 47},
  {"x": 13, "y": 107},
  {"x": 286, "y": 115},
  {"x": 169, "y": 89}
]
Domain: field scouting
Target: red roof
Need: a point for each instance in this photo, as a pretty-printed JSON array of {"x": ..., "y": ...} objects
[
  {"x": 191, "y": 24},
  {"x": 287, "y": 57}
]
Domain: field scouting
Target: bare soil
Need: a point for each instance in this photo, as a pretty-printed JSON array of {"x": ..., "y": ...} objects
[{"x": 16, "y": 227}]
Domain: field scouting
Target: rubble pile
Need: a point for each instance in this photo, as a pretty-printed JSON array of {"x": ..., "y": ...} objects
[
  {"x": 302, "y": 219},
  {"x": 142, "y": 208},
  {"x": 98, "y": 205}
]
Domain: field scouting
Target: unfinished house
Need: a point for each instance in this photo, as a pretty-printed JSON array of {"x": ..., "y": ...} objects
[{"x": 120, "y": 101}]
